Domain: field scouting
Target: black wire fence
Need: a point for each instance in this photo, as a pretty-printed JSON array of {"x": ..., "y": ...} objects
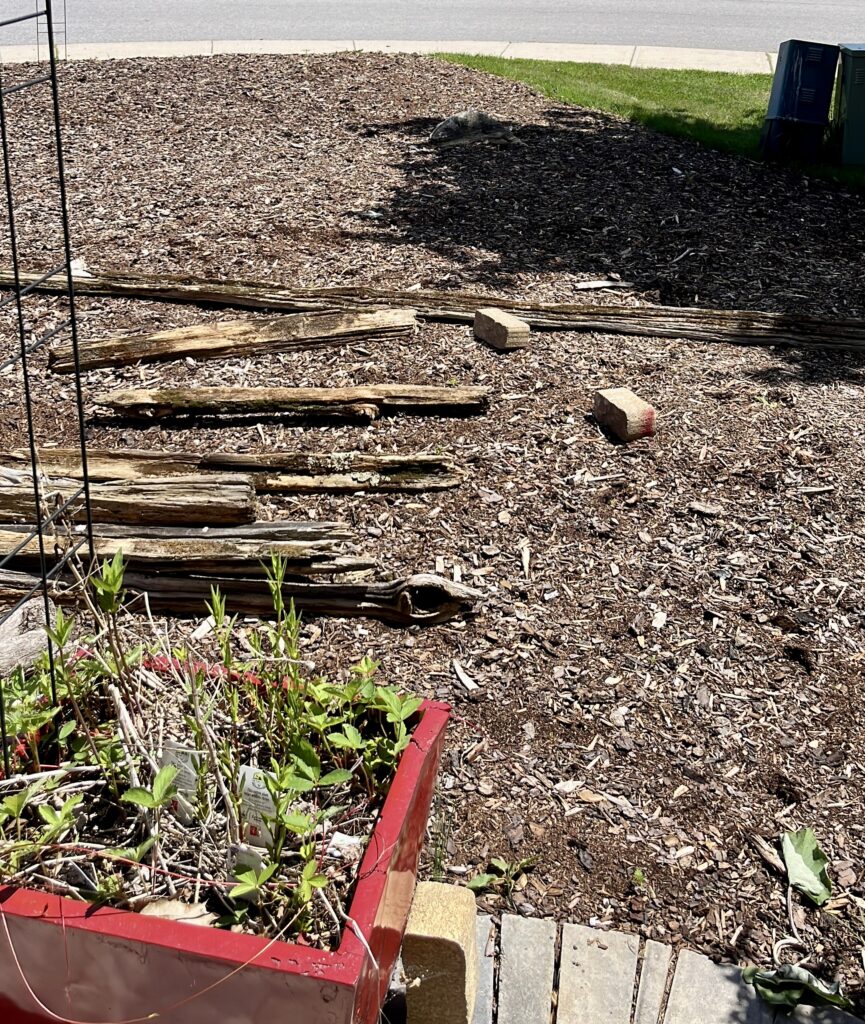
[{"x": 37, "y": 539}]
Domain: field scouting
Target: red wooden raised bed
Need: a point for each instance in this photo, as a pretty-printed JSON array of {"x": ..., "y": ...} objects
[{"x": 110, "y": 966}]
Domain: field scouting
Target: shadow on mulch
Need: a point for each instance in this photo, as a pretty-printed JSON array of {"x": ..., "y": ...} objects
[
  {"x": 590, "y": 194},
  {"x": 809, "y": 367}
]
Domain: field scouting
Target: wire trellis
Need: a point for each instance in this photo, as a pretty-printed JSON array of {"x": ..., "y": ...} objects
[{"x": 50, "y": 566}]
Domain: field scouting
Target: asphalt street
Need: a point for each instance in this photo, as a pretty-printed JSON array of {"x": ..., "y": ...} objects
[{"x": 720, "y": 24}]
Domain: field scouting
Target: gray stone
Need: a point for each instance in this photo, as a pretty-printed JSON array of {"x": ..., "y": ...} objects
[
  {"x": 653, "y": 982},
  {"x": 526, "y": 970},
  {"x": 596, "y": 976},
  {"x": 486, "y": 934},
  {"x": 708, "y": 993}
]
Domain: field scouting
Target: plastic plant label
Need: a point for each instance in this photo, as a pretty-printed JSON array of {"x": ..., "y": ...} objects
[
  {"x": 186, "y": 760},
  {"x": 242, "y": 857},
  {"x": 255, "y": 804}
]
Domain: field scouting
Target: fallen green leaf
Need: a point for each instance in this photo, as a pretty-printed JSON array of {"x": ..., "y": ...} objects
[
  {"x": 788, "y": 986},
  {"x": 806, "y": 865}
]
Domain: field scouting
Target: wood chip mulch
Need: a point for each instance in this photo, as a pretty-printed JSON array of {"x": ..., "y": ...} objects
[{"x": 669, "y": 648}]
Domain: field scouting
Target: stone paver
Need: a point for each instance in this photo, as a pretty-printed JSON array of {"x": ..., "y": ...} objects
[
  {"x": 653, "y": 982},
  {"x": 528, "y": 948},
  {"x": 707, "y": 993},
  {"x": 596, "y": 976},
  {"x": 486, "y": 935},
  {"x": 596, "y": 982}
]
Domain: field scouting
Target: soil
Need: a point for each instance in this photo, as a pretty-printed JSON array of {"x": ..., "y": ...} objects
[{"x": 669, "y": 644}]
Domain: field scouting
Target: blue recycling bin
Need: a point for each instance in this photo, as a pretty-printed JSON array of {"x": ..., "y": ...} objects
[{"x": 799, "y": 104}]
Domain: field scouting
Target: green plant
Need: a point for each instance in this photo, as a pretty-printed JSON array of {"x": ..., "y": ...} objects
[{"x": 502, "y": 876}]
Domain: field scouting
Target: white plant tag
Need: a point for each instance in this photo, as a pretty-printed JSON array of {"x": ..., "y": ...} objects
[
  {"x": 186, "y": 760},
  {"x": 255, "y": 803}
]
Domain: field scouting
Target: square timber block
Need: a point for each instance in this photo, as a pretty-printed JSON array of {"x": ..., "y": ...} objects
[{"x": 501, "y": 330}]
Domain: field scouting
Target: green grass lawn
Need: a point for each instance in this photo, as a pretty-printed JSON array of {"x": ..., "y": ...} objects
[{"x": 721, "y": 110}]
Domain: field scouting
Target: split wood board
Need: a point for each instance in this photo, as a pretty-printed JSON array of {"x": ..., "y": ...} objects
[
  {"x": 744, "y": 327},
  {"x": 181, "y": 555},
  {"x": 365, "y": 402},
  {"x": 217, "y": 499},
  {"x": 279, "y": 472},
  {"x": 227, "y": 338},
  {"x": 419, "y": 600}
]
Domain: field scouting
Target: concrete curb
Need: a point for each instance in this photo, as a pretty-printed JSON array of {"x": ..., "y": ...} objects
[{"x": 669, "y": 57}]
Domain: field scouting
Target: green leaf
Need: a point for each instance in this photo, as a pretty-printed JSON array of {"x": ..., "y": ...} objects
[
  {"x": 65, "y": 731},
  {"x": 299, "y": 824},
  {"x": 806, "y": 865},
  {"x": 299, "y": 785},
  {"x": 350, "y": 737},
  {"x": 409, "y": 706},
  {"x": 306, "y": 760},
  {"x": 789, "y": 986},
  {"x": 501, "y": 866},
  {"x": 49, "y": 815},
  {"x": 163, "y": 785},
  {"x": 137, "y": 853},
  {"x": 139, "y": 796},
  {"x": 334, "y": 778},
  {"x": 481, "y": 882}
]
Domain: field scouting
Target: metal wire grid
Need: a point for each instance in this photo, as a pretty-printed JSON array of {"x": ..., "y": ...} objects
[
  {"x": 58, "y": 43},
  {"x": 26, "y": 348}
]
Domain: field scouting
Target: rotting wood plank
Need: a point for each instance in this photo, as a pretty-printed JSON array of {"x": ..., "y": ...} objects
[
  {"x": 419, "y": 600},
  {"x": 217, "y": 499},
  {"x": 596, "y": 975},
  {"x": 272, "y": 472},
  {"x": 228, "y": 338},
  {"x": 181, "y": 555},
  {"x": 742, "y": 327},
  {"x": 432, "y": 305},
  {"x": 527, "y": 963},
  {"x": 22, "y": 636},
  {"x": 366, "y": 402},
  {"x": 304, "y": 530}
]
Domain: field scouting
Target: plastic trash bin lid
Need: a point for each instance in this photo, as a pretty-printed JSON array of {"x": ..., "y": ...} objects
[{"x": 854, "y": 48}]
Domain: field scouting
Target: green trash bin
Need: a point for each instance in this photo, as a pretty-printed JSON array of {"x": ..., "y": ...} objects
[{"x": 849, "y": 116}]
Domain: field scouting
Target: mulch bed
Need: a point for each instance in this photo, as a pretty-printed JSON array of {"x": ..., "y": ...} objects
[{"x": 658, "y": 679}]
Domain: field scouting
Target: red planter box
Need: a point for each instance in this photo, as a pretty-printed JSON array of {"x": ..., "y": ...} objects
[{"x": 61, "y": 959}]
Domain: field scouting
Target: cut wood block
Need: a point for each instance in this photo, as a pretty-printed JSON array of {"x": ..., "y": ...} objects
[
  {"x": 361, "y": 402},
  {"x": 653, "y": 982},
  {"x": 209, "y": 499},
  {"x": 277, "y": 472},
  {"x": 526, "y": 970},
  {"x": 501, "y": 330},
  {"x": 227, "y": 338},
  {"x": 439, "y": 955},
  {"x": 596, "y": 975},
  {"x": 623, "y": 413}
]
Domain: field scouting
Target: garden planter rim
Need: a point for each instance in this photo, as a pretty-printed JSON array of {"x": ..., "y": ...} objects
[{"x": 342, "y": 966}]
